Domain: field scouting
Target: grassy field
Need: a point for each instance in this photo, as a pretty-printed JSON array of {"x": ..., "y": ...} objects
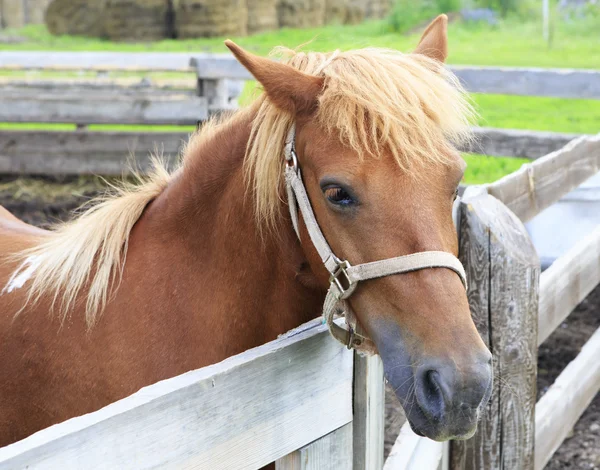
[{"x": 510, "y": 43}]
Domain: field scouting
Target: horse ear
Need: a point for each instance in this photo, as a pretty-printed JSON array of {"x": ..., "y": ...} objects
[
  {"x": 434, "y": 42},
  {"x": 288, "y": 88}
]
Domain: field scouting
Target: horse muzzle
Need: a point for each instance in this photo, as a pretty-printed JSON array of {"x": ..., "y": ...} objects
[{"x": 442, "y": 399}]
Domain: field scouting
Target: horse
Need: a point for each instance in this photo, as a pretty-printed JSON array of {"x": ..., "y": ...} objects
[{"x": 190, "y": 266}]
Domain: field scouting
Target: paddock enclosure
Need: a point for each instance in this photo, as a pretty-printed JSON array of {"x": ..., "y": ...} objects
[{"x": 304, "y": 401}]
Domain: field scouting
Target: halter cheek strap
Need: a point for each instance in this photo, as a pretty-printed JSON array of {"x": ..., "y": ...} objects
[{"x": 343, "y": 276}]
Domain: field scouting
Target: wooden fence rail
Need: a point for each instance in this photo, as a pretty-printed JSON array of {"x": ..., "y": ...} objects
[
  {"x": 212, "y": 85},
  {"x": 107, "y": 152},
  {"x": 567, "y": 282},
  {"x": 540, "y": 184},
  {"x": 564, "y": 83},
  {"x": 287, "y": 393},
  {"x": 558, "y": 83},
  {"x": 562, "y": 405},
  {"x": 412, "y": 452}
]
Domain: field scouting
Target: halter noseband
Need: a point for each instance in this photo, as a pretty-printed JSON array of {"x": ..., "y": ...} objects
[{"x": 343, "y": 276}]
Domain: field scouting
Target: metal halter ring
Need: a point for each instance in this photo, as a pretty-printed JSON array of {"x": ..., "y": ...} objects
[
  {"x": 292, "y": 162},
  {"x": 335, "y": 278}
]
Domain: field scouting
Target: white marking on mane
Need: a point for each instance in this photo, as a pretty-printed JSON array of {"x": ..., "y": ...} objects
[
  {"x": 86, "y": 256},
  {"x": 21, "y": 275}
]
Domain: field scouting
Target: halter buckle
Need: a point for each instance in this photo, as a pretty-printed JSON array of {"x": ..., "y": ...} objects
[{"x": 341, "y": 279}]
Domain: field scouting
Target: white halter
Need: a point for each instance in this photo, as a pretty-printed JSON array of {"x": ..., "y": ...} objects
[{"x": 343, "y": 276}]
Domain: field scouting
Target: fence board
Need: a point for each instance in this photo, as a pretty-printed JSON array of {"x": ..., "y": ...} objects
[
  {"x": 369, "y": 412},
  {"x": 113, "y": 87},
  {"x": 567, "y": 282},
  {"x": 97, "y": 61},
  {"x": 83, "y": 152},
  {"x": 540, "y": 184},
  {"x": 517, "y": 142},
  {"x": 210, "y": 66},
  {"x": 103, "y": 108},
  {"x": 562, "y": 405},
  {"x": 189, "y": 421},
  {"x": 505, "y": 438},
  {"x": 403, "y": 449},
  {"x": 412, "y": 452},
  {"x": 559, "y": 83},
  {"x": 331, "y": 452},
  {"x": 562, "y": 83}
]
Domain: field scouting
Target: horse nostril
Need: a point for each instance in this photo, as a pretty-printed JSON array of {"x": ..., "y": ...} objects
[
  {"x": 431, "y": 382},
  {"x": 430, "y": 393}
]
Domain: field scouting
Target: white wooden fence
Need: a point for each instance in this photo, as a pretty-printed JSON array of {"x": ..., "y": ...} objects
[
  {"x": 207, "y": 83},
  {"x": 303, "y": 401}
]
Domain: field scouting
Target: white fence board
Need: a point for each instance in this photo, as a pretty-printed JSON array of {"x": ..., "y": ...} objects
[
  {"x": 413, "y": 452},
  {"x": 103, "y": 108},
  {"x": 242, "y": 413},
  {"x": 564, "y": 83},
  {"x": 517, "y": 142},
  {"x": 562, "y": 405},
  {"x": 98, "y": 61},
  {"x": 567, "y": 282},
  {"x": 559, "y": 83},
  {"x": 540, "y": 184},
  {"x": 331, "y": 452},
  {"x": 83, "y": 152},
  {"x": 209, "y": 66}
]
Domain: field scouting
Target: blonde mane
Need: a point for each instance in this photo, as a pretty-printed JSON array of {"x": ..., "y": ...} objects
[
  {"x": 90, "y": 250},
  {"x": 375, "y": 101}
]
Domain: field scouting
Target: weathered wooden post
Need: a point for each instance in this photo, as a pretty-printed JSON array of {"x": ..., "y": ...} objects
[
  {"x": 503, "y": 272},
  {"x": 369, "y": 412},
  {"x": 221, "y": 93}
]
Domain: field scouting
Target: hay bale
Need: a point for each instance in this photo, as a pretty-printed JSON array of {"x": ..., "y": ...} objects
[
  {"x": 76, "y": 17},
  {"x": 13, "y": 13},
  {"x": 301, "y": 13},
  {"x": 336, "y": 11},
  {"x": 378, "y": 8},
  {"x": 207, "y": 18},
  {"x": 356, "y": 11},
  {"x": 345, "y": 11},
  {"x": 262, "y": 15},
  {"x": 36, "y": 10},
  {"x": 137, "y": 20}
]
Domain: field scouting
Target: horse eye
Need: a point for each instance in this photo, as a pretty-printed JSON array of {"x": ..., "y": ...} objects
[{"x": 338, "y": 196}]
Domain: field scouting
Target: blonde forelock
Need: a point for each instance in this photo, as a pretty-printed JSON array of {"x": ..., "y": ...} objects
[{"x": 375, "y": 102}]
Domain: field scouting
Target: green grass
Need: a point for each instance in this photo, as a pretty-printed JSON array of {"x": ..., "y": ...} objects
[
  {"x": 485, "y": 169},
  {"x": 536, "y": 113},
  {"x": 511, "y": 43}
]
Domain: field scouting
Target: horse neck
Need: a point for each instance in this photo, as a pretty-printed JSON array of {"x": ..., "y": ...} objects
[{"x": 263, "y": 280}]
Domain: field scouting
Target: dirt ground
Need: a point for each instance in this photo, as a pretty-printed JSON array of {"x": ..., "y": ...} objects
[{"x": 44, "y": 201}]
